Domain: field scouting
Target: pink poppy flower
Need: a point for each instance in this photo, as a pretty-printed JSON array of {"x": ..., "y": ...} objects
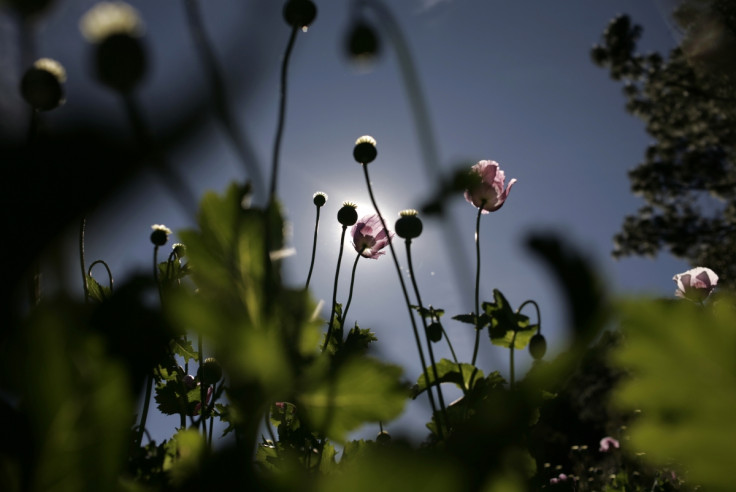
[
  {"x": 489, "y": 192},
  {"x": 369, "y": 237},
  {"x": 695, "y": 284},
  {"x": 608, "y": 443}
]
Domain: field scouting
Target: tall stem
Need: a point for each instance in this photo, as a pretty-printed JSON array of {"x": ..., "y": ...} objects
[
  {"x": 477, "y": 283},
  {"x": 144, "y": 415},
  {"x": 314, "y": 248},
  {"x": 430, "y": 395},
  {"x": 282, "y": 115},
  {"x": 82, "y": 226},
  {"x": 350, "y": 295},
  {"x": 334, "y": 289},
  {"x": 440, "y": 396}
]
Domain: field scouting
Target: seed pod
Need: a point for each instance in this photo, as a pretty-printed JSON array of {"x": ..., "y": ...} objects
[
  {"x": 409, "y": 226},
  {"x": 434, "y": 332},
  {"x": 210, "y": 372},
  {"x": 347, "y": 215},
  {"x": 365, "y": 151},
  {"x": 299, "y": 13}
]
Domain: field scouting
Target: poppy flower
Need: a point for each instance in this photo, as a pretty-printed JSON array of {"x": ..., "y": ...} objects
[
  {"x": 695, "y": 284},
  {"x": 369, "y": 236},
  {"x": 487, "y": 188}
]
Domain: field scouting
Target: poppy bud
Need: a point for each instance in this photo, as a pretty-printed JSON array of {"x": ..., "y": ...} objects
[
  {"x": 362, "y": 42},
  {"x": 538, "y": 346},
  {"x": 434, "y": 332}
]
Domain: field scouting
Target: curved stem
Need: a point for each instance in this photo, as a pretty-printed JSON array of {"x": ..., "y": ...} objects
[
  {"x": 440, "y": 396},
  {"x": 477, "y": 284},
  {"x": 314, "y": 249},
  {"x": 334, "y": 290},
  {"x": 82, "y": 226},
  {"x": 107, "y": 268},
  {"x": 430, "y": 395},
  {"x": 536, "y": 306},
  {"x": 350, "y": 295},
  {"x": 282, "y": 115}
]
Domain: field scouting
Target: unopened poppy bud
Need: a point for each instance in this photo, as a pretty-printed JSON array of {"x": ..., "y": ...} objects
[
  {"x": 319, "y": 198},
  {"x": 362, "y": 42},
  {"x": 41, "y": 86},
  {"x": 434, "y": 332},
  {"x": 365, "y": 149},
  {"x": 409, "y": 226},
  {"x": 160, "y": 234},
  {"x": 300, "y": 13},
  {"x": 210, "y": 372},
  {"x": 347, "y": 215},
  {"x": 189, "y": 382},
  {"x": 538, "y": 346}
]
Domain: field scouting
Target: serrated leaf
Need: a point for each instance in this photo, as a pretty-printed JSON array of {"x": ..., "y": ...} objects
[
  {"x": 96, "y": 291},
  {"x": 169, "y": 400},
  {"x": 507, "y": 327},
  {"x": 448, "y": 372},
  {"x": 684, "y": 383},
  {"x": 183, "y": 348}
]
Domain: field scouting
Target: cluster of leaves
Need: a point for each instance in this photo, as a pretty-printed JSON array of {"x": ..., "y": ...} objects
[{"x": 688, "y": 104}]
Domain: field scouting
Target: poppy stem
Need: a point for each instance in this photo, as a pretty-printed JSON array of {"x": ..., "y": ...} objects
[
  {"x": 350, "y": 295},
  {"x": 440, "y": 396},
  {"x": 477, "y": 283},
  {"x": 430, "y": 395},
  {"x": 282, "y": 114},
  {"x": 314, "y": 249},
  {"x": 334, "y": 290}
]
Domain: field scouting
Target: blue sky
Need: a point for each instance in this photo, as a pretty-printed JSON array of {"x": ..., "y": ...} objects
[{"x": 508, "y": 81}]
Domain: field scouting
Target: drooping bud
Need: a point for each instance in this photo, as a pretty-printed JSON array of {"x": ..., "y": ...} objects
[
  {"x": 434, "y": 332},
  {"x": 538, "y": 346},
  {"x": 362, "y": 42}
]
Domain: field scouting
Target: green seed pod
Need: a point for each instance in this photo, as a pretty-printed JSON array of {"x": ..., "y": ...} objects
[
  {"x": 362, "y": 42},
  {"x": 434, "y": 332},
  {"x": 120, "y": 61},
  {"x": 365, "y": 151},
  {"x": 41, "y": 86},
  {"x": 347, "y": 215},
  {"x": 160, "y": 234},
  {"x": 319, "y": 199},
  {"x": 537, "y": 346},
  {"x": 409, "y": 226}
]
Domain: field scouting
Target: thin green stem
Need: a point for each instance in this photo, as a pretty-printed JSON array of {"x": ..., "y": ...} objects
[
  {"x": 82, "y": 226},
  {"x": 202, "y": 389},
  {"x": 477, "y": 284},
  {"x": 144, "y": 415},
  {"x": 107, "y": 269},
  {"x": 334, "y": 289},
  {"x": 282, "y": 115},
  {"x": 350, "y": 295},
  {"x": 430, "y": 395},
  {"x": 314, "y": 248},
  {"x": 512, "y": 378},
  {"x": 440, "y": 396}
]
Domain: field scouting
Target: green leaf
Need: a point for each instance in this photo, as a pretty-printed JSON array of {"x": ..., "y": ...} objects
[
  {"x": 448, "y": 372},
  {"x": 361, "y": 390},
  {"x": 170, "y": 400},
  {"x": 187, "y": 450},
  {"x": 96, "y": 291},
  {"x": 681, "y": 357},
  {"x": 507, "y": 327},
  {"x": 465, "y": 318},
  {"x": 358, "y": 340},
  {"x": 183, "y": 348}
]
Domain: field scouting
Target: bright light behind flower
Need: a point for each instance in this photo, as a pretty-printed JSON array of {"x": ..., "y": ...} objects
[
  {"x": 489, "y": 192},
  {"x": 369, "y": 237},
  {"x": 695, "y": 284}
]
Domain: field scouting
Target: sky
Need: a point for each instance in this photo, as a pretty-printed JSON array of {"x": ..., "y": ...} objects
[{"x": 507, "y": 81}]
